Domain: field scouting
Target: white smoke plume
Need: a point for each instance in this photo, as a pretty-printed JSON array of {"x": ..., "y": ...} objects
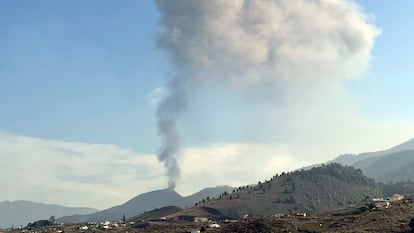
[{"x": 278, "y": 49}]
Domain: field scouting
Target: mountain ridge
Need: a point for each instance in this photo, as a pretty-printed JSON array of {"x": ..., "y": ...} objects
[
  {"x": 320, "y": 189},
  {"x": 21, "y": 212},
  {"x": 145, "y": 202},
  {"x": 378, "y": 164},
  {"x": 407, "y": 145}
]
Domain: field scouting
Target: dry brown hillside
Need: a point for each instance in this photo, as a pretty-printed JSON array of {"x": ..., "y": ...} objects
[{"x": 316, "y": 190}]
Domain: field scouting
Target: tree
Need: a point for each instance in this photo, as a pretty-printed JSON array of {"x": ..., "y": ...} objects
[
  {"x": 411, "y": 224},
  {"x": 52, "y": 219},
  {"x": 371, "y": 205}
]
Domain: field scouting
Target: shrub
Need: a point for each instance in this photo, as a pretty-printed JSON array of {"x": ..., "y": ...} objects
[
  {"x": 362, "y": 209},
  {"x": 411, "y": 224},
  {"x": 371, "y": 205}
]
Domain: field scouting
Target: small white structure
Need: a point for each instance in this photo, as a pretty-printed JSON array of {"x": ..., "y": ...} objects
[
  {"x": 397, "y": 197},
  {"x": 382, "y": 204},
  {"x": 301, "y": 214},
  {"x": 213, "y": 225},
  {"x": 200, "y": 219},
  {"x": 84, "y": 228}
]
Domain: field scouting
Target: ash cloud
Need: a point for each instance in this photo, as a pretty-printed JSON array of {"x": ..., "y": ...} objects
[{"x": 279, "y": 50}]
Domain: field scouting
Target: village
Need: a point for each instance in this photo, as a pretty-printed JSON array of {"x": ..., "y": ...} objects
[
  {"x": 321, "y": 221},
  {"x": 386, "y": 202}
]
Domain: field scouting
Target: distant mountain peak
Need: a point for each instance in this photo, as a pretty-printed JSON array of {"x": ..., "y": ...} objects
[
  {"x": 393, "y": 164},
  {"x": 146, "y": 202},
  {"x": 407, "y": 145},
  {"x": 22, "y": 212}
]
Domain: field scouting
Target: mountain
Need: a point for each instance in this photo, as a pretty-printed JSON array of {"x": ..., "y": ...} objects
[
  {"x": 398, "y": 218},
  {"x": 391, "y": 165},
  {"x": 19, "y": 213},
  {"x": 358, "y": 218},
  {"x": 349, "y": 159},
  {"x": 145, "y": 202},
  {"x": 319, "y": 189},
  {"x": 389, "y": 189},
  {"x": 156, "y": 213},
  {"x": 131, "y": 208},
  {"x": 205, "y": 193}
]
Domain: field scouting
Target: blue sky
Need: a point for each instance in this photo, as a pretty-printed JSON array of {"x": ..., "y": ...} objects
[
  {"x": 386, "y": 90},
  {"x": 81, "y": 72},
  {"x": 75, "y": 74}
]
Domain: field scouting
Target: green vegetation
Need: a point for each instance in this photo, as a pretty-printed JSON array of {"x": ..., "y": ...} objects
[
  {"x": 391, "y": 188},
  {"x": 319, "y": 189},
  {"x": 344, "y": 173},
  {"x": 394, "y": 167}
]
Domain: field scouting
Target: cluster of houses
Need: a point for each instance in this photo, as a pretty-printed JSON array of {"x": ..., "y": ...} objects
[
  {"x": 103, "y": 225},
  {"x": 291, "y": 214},
  {"x": 386, "y": 202},
  {"x": 379, "y": 203},
  {"x": 210, "y": 225}
]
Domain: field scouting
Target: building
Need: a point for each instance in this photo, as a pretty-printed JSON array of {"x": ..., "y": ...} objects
[
  {"x": 397, "y": 197},
  {"x": 382, "y": 204},
  {"x": 200, "y": 219}
]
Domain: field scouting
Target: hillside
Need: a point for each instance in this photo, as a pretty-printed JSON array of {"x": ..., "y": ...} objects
[
  {"x": 319, "y": 189},
  {"x": 390, "y": 167},
  {"x": 349, "y": 159},
  {"x": 360, "y": 218},
  {"x": 397, "y": 218},
  {"x": 22, "y": 212},
  {"x": 156, "y": 213},
  {"x": 131, "y": 208},
  {"x": 145, "y": 202},
  {"x": 388, "y": 189}
]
